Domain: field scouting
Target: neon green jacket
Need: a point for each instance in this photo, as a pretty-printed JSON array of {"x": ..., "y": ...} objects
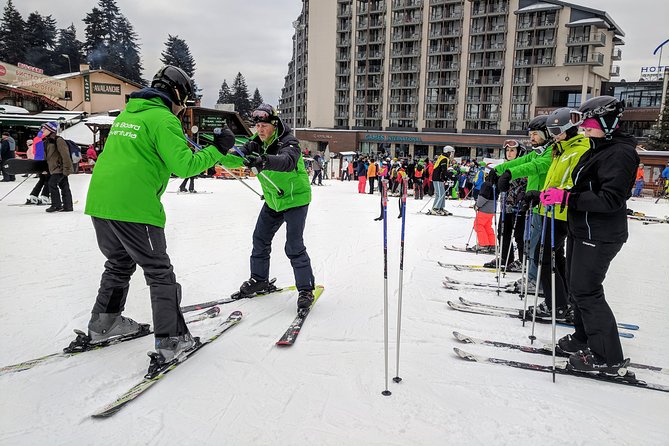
[
  {"x": 533, "y": 166},
  {"x": 559, "y": 173},
  {"x": 145, "y": 145},
  {"x": 284, "y": 167}
]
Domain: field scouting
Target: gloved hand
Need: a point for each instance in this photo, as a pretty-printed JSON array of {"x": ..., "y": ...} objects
[
  {"x": 532, "y": 197},
  {"x": 504, "y": 182},
  {"x": 224, "y": 139},
  {"x": 492, "y": 176},
  {"x": 554, "y": 195},
  {"x": 255, "y": 162}
]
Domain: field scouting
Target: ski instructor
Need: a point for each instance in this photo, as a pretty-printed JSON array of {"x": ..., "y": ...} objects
[
  {"x": 146, "y": 144},
  {"x": 274, "y": 155}
]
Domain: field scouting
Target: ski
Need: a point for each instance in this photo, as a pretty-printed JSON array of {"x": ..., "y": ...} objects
[
  {"x": 649, "y": 219},
  {"x": 180, "y": 192},
  {"x": 228, "y": 300},
  {"x": 149, "y": 380},
  {"x": 450, "y": 281},
  {"x": 469, "y": 268},
  {"x": 295, "y": 327},
  {"x": 82, "y": 345},
  {"x": 518, "y": 310},
  {"x": 515, "y": 315},
  {"x": 544, "y": 350},
  {"x": 562, "y": 368},
  {"x": 461, "y": 249}
]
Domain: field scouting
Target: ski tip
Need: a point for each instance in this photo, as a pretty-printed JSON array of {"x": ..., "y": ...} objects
[
  {"x": 236, "y": 315},
  {"x": 460, "y": 337}
]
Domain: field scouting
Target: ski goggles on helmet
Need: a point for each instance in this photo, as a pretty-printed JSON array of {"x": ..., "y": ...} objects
[
  {"x": 261, "y": 115},
  {"x": 511, "y": 144},
  {"x": 556, "y": 130},
  {"x": 600, "y": 111}
]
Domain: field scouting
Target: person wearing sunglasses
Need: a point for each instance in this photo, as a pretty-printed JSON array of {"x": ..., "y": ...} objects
[
  {"x": 533, "y": 166},
  {"x": 568, "y": 148},
  {"x": 597, "y": 218},
  {"x": 273, "y": 153},
  {"x": 145, "y": 146}
]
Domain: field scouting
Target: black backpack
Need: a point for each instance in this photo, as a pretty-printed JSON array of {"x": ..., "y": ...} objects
[{"x": 75, "y": 151}]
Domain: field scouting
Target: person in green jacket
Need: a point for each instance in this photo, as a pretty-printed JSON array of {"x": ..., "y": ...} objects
[
  {"x": 534, "y": 167},
  {"x": 274, "y": 155},
  {"x": 145, "y": 145},
  {"x": 567, "y": 151}
]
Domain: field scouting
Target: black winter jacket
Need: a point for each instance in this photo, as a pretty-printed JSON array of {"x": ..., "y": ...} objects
[{"x": 603, "y": 180}]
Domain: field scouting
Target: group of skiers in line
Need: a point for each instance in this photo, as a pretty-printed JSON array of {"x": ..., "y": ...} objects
[{"x": 571, "y": 188}]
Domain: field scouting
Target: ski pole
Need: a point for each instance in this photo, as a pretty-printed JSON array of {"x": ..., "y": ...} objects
[
  {"x": 386, "y": 392},
  {"x": 399, "y": 296},
  {"x": 497, "y": 247},
  {"x": 526, "y": 264},
  {"x": 15, "y": 187},
  {"x": 510, "y": 248},
  {"x": 425, "y": 205},
  {"x": 199, "y": 147},
  {"x": 553, "y": 282},
  {"x": 536, "y": 287},
  {"x": 470, "y": 237},
  {"x": 261, "y": 174}
]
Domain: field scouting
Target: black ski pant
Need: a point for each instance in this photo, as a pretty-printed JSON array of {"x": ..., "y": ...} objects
[
  {"x": 269, "y": 221},
  {"x": 318, "y": 174},
  {"x": 191, "y": 187},
  {"x": 514, "y": 226},
  {"x": 126, "y": 245},
  {"x": 594, "y": 321},
  {"x": 371, "y": 184},
  {"x": 56, "y": 181},
  {"x": 418, "y": 189},
  {"x": 561, "y": 288},
  {"x": 6, "y": 176},
  {"x": 41, "y": 186}
]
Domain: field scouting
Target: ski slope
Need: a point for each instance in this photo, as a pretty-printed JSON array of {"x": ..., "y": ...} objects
[{"x": 326, "y": 389}]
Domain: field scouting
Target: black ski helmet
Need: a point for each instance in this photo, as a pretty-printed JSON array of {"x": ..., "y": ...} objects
[
  {"x": 606, "y": 109},
  {"x": 176, "y": 83},
  {"x": 538, "y": 124},
  {"x": 560, "y": 121}
]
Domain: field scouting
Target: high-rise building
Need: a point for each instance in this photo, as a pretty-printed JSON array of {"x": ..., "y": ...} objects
[{"x": 406, "y": 76}]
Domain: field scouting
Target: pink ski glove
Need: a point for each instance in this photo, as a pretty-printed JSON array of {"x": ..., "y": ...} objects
[{"x": 553, "y": 196}]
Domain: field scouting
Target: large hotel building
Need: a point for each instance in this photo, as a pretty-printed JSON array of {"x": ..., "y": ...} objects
[{"x": 406, "y": 77}]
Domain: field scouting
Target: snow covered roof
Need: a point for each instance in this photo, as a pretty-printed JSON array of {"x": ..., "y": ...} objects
[
  {"x": 100, "y": 120},
  {"x": 541, "y": 6},
  {"x": 589, "y": 21},
  {"x": 13, "y": 109},
  {"x": 79, "y": 133}
]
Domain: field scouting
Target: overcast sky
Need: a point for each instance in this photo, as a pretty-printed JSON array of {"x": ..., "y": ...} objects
[{"x": 254, "y": 36}]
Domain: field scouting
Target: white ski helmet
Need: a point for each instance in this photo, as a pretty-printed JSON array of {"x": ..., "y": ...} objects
[{"x": 448, "y": 149}]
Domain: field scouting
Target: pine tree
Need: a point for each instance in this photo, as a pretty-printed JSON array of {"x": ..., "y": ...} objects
[
  {"x": 178, "y": 54},
  {"x": 67, "y": 44},
  {"x": 12, "y": 35},
  {"x": 659, "y": 139},
  {"x": 256, "y": 100},
  {"x": 127, "y": 62},
  {"x": 240, "y": 95},
  {"x": 96, "y": 38},
  {"x": 224, "y": 94},
  {"x": 40, "y": 39}
]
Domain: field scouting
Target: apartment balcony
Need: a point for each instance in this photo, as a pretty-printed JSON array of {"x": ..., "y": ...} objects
[
  {"x": 448, "y": 99},
  {"x": 344, "y": 27},
  {"x": 597, "y": 39},
  {"x": 476, "y": 64},
  {"x": 498, "y": 9},
  {"x": 404, "y": 84},
  {"x": 361, "y": 56},
  {"x": 376, "y": 8},
  {"x": 491, "y": 99},
  {"x": 367, "y": 100},
  {"x": 375, "y": 55},
  {"x": 474, "y": 30},
  {"x": 544, "y": 61},
  {"x": 591, "y": 59},
  {"x": 524, "y": 24},
  {"x": 491, "y": 81},
  {"x": 615, "y": 71},
  {"x": 449, "y": 116},
  {"x": 400, "y": 37},
  {"x": 343, "y": 86},
  {"x": 343, "y": 57},
  {"x": 341, "y": 115},
  {"x": 362, "y": 24},
  {"x": 545, "y": 24},
  {"x": 403, "y": 100},
  {"x": 443, "y": 83},
  {"x": 617, "y": 54},
  {"x": 375, "y": 24},
  {"x": 455, "y": 15},
  {"x": 475, "y": 48},
  {"x": 344, "y": 42},
  {"x": 497, "y": 28},
  {"x": 519, "y": 117},
  {"x": 342, "y": 101},
  {"x": 344, "y": 72},
  {"x": 402, "y": 115},
  {"x": 344, "y": 13},
  {"x": 521, "y": 99},
  {"x": 522, "y": 44},
  {"x": 405, "y": 53},
  {"x": 493, "y": 63},
  {"x": 523, "y": 80},
  {"x": 444, "y": 2},
  {"x": 399, "y": 4},
  {"x": 497, "y": 46},
  {"x": 377, "y": 39},
  {"x": 406, "y": 21}
]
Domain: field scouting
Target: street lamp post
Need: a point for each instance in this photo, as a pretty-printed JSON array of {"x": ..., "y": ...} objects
[
  {"x": 69, "y": 63},
  {"x": 298, "y": 27}
]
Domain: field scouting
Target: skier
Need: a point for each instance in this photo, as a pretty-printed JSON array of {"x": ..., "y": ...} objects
[
  {"x": 534, "y": 167},
  {"x": 639, "y": 182},
  {"x": 275, "y": 154},
  {"x": 145, "y": 145},
  {"x": 597, "y": 219},
  {"x": 438, "y": 178},
  {"x": 485, "y": 210},
  {"x": 514, "y": 216},
  {"x": 568, "y": 149},
  {"x": 57, "y": 156}
]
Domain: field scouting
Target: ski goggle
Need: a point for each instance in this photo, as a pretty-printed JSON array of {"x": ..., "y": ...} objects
[
  {"x": 599, "y": 111},
  {"x": 262, "y": 116},
  {"x": 556, "y": 130},
  {"x": 511, "y": 144}
]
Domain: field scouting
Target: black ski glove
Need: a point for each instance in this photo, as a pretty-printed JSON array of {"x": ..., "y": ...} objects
[
  {"x": 256, "y": 162},
  {"x": 532, "y": 197},
  {"x": 224, "y": 139},
  {"x": 504, "y": 182}
]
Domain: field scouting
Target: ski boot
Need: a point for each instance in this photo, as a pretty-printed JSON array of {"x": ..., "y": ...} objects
[
  {"x": 44, "y": 200},
  {"x": 544, "y": 312},
  {"x": 167, "y": 350},
  {"x": 305, "y": 299},
  {"x": 32, "y": 200},
  {"x": 109, "y": 326},
  {"x": 254, "y": 287},
  {"x": 491, "y": 264},
  {"x": 569, "y": 344},
  {"x": 588, "y": 361},
  {"x": 514, "y": 267}
]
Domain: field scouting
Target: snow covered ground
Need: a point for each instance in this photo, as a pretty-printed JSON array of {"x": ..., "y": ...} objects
[{"x": 326, "y": 389}]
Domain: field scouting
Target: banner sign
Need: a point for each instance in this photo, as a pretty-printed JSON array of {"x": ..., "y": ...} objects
[
  {"x": 31, "y": 79},
  {"x": 101, "y": 88},
  {"x": 87, "y": 88}
]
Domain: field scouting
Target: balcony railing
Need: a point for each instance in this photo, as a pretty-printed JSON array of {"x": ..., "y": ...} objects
[
  {"x": 590, "y": 59},
  {"x": 520, "y": 99},
  {"x": 617, "y": 54},
  {"x": 597, "y": 39},
  {"x": 615, "y": 71}
]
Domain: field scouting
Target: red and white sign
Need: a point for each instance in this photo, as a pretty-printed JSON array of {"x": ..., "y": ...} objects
[{"x": 31, "y": 80}]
